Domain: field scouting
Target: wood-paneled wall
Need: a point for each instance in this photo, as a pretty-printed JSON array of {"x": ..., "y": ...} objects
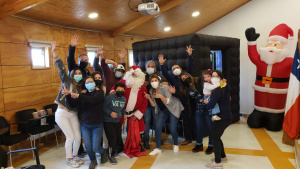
[{"x": 24, "y": 88}]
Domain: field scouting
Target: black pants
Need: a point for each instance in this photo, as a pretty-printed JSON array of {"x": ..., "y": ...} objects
[
  {"x": 189, "y": 125},
  {"x": 113, "y": 134},
  {"x": 218, "y": 129}
]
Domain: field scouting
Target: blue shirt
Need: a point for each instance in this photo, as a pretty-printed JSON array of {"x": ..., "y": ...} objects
[{"x": 115, "y": 104}]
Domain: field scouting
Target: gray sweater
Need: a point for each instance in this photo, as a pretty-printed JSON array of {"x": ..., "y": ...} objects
[
  {"x": 173, "y": 104},
  {"x": 67, "y": 80},
  {"x": 113, "y": 104}
]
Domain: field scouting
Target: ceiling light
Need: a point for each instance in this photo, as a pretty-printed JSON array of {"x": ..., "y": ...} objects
[
  {"x": 195, "y": 14},
  {"x": 167, "y": 29},
  {"x": 93, "y": 15}
]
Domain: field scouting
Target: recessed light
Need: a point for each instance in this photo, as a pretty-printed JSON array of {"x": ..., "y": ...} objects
[
  {"x": 167, "y": 29},
  {"x": 195, "y": 14},
  {"x": 93, "y": 15}
]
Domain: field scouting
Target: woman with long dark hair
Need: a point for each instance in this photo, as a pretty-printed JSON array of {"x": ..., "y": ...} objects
[{"x": 220, "y": 95}]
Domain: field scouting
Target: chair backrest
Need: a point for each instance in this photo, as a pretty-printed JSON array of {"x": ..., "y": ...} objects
[
  {"x": 3, "y": 122},
  {"x": 25, "y": 115},
  {"x": 51, "y": 106}
]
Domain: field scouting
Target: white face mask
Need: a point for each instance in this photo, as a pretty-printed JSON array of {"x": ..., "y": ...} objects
[
  {"x": 150, "y": 70},
  {"x": 215, "y": 80},
  {"x": 154, "y": 84},
  {"x": 177, "y": 72}
]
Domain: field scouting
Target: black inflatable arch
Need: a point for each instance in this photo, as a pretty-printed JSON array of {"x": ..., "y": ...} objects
[{"x": 174, "y": 49}]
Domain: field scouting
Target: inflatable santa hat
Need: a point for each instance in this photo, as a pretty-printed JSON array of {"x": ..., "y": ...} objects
[{"x": 281, "y": 33}]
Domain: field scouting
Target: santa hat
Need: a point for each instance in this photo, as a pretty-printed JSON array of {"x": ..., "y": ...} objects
[
  {"x": 135, "y": 69},
  {"x": 281, "y": 33}
]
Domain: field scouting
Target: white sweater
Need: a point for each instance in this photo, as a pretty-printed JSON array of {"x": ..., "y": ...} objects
[{"x": 208, "y": 87}]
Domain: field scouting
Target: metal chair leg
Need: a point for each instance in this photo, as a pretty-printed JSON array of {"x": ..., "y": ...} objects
[
  {"x": 9, "y": 147},
  {"x": 56, "y": 138},
  {"x": 31, "y": 147}
]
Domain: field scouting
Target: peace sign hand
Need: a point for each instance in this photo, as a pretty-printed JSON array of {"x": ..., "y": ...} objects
[
  {"x": 189, "y": 50},
  {"x": 64, "y": 90},
  {"x": 147, "y": 96}
]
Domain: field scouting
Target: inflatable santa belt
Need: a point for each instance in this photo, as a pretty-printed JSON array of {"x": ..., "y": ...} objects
[{"x": 269, "y": 80}]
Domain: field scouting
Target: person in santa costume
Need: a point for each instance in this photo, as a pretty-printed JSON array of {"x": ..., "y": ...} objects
[
  {"x": 273, "y": 67},
  {"x": 135, "y": 106}
]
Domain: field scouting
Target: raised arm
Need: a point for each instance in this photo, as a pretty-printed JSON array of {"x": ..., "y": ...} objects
[
  {"x": 96, "y": 65},
  {"x": 71, "y": 53},
  {"x": 252, "y": 36},
  {"x": 189, "y": 51},
  {"x": 59, "y": 64},
  {"x": 164, "y": 70}
]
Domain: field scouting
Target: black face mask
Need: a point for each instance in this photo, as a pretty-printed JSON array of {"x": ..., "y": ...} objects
[
  {"x": 83, "y": 64},
  {"x": 98, "y": 82},
  {"x": 187, "y": 81},
  {"x": 120, "y": 93}
]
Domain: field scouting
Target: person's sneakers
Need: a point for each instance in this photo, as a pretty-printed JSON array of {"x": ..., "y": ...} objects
[
  {"x": 209, "y": 150},
  {"x": 223, "y": 160},
  {"x": 155, "y": 151},
  {"x": 142, "y": 149},
  {"x": 214, "y": 165},
  {"x": 78, "y": 160},
  {"x": 104, "y": 157},
  {"x": 146, "y": 144},
  {"x": 112, "y": 160},
  {"x": 72, "y": 163},
  {"x": 215, "y": 118},
  {"x": 93, "y": 164},
  {"x": 198, "y": 148},
  {"x": 81, "y": 155},
  {"x": 175, "y": 148},
  {"x": 186, "y": 142}
]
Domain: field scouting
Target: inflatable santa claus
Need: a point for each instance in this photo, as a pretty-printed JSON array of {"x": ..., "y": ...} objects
[
  {"x": 135, "y": 106},
  {"x": 273, "y": 67}
]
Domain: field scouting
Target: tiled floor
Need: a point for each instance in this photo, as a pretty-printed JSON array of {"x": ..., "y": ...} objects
[{"x": 246, "y": 149}]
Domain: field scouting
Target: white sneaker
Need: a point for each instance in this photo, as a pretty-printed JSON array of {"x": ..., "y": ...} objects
[
  {"x": 175, "y": 148},
  {"x": 155, "y": 151},
  {"x": 72, "y": 163},
  {"x": 78, "y": 160}
]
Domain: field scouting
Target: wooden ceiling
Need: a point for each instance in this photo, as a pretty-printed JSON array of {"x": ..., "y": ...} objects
[{"x": 116, "y": 18}]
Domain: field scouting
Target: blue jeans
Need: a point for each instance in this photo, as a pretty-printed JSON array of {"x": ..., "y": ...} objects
[
  {"x": 201, "y": 118},
  {"x": 148, "y": 115},
  {"x": 162, "y": 117},
  {"x": 92, "y": 135}
]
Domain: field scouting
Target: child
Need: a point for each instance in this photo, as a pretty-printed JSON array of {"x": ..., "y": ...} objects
[
  {"x": 209, "y": 85},
  {"x": 114, "y": 110}
]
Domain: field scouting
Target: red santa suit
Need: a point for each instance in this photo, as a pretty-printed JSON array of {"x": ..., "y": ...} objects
[
  {"x": 136, "y": 104},
  {"x": 272, "y": 80}
]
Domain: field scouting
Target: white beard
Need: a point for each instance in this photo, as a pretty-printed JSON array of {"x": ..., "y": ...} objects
[
  {"x": 134, "y": 82},
  {"x": 278, "y": 55}
]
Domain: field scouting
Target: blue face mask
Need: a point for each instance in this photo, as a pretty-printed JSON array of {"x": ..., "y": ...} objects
[
  {"x": 150, "y": 70},
  {"x": 90, "y": 86},
  {"x": 77, "y": 78},
  {"x": 118, "y": 74}
]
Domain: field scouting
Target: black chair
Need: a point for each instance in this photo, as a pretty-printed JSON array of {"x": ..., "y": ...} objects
[
  {"x": 51, "y": 118},
  {"x": 7, "y": 139},
  {"x": 3, "y": 159},
  {"x": 32, "y": 126}
]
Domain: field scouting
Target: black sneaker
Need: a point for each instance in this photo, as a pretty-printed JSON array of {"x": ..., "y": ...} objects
[
  {"x": 81, "y": 155},
  {"x": 112, "y": 160},
  {"x": 104, "y": 157},
  {"x": 209, "y": 150},
  {"x": 142, "y": 149},
  {"x": 198, "y": 148},
  {"x": 146, "y": 145},
  {"x": 93, "y": 164}
]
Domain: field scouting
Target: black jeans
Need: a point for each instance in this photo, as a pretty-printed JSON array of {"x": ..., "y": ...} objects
[
  {"x": 113, "y": 134},
  {"x": 189, "y": 125},
  {"x": 218, "y": 129}
]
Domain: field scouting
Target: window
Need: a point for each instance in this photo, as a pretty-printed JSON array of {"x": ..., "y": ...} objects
[
  {"x": 92, "y": 52},
  {"x": 39, "y": 54},
  {"x": 216, "y": 59},
  {"x": 130, "y": 57}
]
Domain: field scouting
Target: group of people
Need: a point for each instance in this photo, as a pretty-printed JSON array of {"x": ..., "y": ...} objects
[{"x": 95, "y": 106}]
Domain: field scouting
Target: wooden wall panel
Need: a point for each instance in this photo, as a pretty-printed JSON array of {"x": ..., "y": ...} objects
[
  {"x": 27, "y": 96},
  {"x": 15, "y": 54},
  {"x": 11, "y": 30},
  {"x": 124, "y": 42},
  {"x": 14, "y": 76},
  {"x": 1, "y": 101}
]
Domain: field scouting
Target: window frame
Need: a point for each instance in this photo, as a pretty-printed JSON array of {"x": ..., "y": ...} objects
[
  {"x": 45, "y": 46},
  {"x": 130, "y": 50},
  {"x": 92, "y": 48}
]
